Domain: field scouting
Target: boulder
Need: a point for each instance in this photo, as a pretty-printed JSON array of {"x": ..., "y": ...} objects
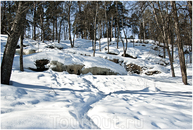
[
  {"x": 28, "y": 51},
  {"x": 114, "y": 60},
  {"x": 155, "y": 48},
  {"x": 57, "y": 66},
  {"x": 40, "y": 65},
  {"x": 127, "y": 55},
  {"x": 71, "y": 69},
  {"x": 25, "y": 51},
  {"x": 152, "y": 72},
  {"x": 133, "y": 68},
  {"x": 74, "y": 69},
  {"x": 98, "y": 71}
]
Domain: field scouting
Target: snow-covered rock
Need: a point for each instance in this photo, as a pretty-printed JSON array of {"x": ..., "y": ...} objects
[
  {"x": 26, "y": 51},
  {"x": 59, "y": 100}
]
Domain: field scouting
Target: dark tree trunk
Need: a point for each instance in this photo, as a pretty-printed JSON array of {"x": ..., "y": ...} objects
[
  {"x": 117, "y": 26},
  {"x": 180, "y": 44},
  {"x": 42, "y": 28},
  {"x": 107, "y": 28},
  {"x": 111, "y": 28},
  {"x": 74, "y": 37},
  {"x": 124, "y": 47},
  {"x": 170, "y": 56},
  {"x": 69, "y": 24},
  {"x": 53, "y": 31},
  {"x": 10, "y": 48},
  {"x": 164, "y": 51},
  {"x": 190, "y": 9},
  {"x": 103, "y": 29},
  {"x": 140, "y": 32},
  {"x": 59, "y": 31},
  {"x": 56, "y": 29},
  {"x": 34, "y": 20},
  {"x": 21, "y": 40},
  {"x": 172, "y": 42},
  {"x": 21, "y": 52},
  {"x": 150, "y": 30},
  {"x": 95, "y": 20},
  {"x": 115, "y": 31},
  {"x": 99, "y": 32}
]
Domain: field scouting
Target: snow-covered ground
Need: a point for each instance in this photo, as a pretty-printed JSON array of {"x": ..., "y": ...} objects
[{"x": 61, "y": 100}]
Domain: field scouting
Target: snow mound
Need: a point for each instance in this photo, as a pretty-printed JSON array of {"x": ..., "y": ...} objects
[
  {"x": 111, "y": 50},
  {"x": 72, "y": 59}
]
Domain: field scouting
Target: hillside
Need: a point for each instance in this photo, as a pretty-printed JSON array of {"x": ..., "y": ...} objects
[{"x": 76, "y": 90}]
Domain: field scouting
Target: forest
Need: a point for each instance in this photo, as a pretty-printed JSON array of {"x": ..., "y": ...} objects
[
  {"x": 96, "y": 64},
  {"x": 167, "y": 22}
]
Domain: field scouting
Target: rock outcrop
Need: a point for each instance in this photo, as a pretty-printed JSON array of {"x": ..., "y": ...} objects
[
  {"x": 79, "y": 69},
  {"x": 98, "y": 71},
  {"x": 71, "y": 69},
  {"x": 133, "y": 68},
  {"x": 25, "y": 51}
]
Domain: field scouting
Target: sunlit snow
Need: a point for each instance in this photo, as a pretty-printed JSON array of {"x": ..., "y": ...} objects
[{"x": 51, "y": 99}]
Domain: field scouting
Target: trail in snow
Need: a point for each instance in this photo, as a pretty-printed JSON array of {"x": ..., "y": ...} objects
[
  {"x": 59, "y": 100},
  {"x": 81, "y": 108}
]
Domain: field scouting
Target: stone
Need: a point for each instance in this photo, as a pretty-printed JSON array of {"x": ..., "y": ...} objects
[
  {"x": 127, "y": 55},
  {"x": 71, "y": 69},
  {"x": 133, "y": 68},
  {"x": 25, "y": 51},
  {"x": 152, "y": 72},
  {"x": 98, "y": 71}
]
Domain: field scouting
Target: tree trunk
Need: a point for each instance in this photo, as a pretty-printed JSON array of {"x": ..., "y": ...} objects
[
  {"x": 117, "y": 26},
  {"x": 34, "y": 21},
  {"x": 124, "y": 47},
  {"x": 180, "y": 45},
  {"x": 74, "y": 37},
  {"x": 103, "y": 29},
  {"x": 95, "y": 30},
  {"x": 21, "y": 52},
  {"x": 170, "y": 57},
  {"x": 99, "y": 32},
  {"x": 133, "y": 38},
  {"x": 10, "y": 48},
  {"x": 143, "y": 30},
  {"x": 164, "y": 50},
  {"x": 56, "y": 28},
  {"x": 42, "y": 28},
  {"x": 69, "y": 24},
  {"x": 115, "y": 31},
  {"x": 53, "y": 31},
  {"x": 140, "y": 32},
  {"x": 107, "y": 27},
  {"x": 111, "y": 28},
  {"x": 21, "y": 40},
  {"x": 59, "y": 31},
  {"x": 190, "y": 9},
  {"x": 150, "y": 30},
  {"x": 165, "y": 39}
]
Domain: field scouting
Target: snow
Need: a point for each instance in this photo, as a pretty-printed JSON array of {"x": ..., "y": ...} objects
[{"x": 59, "y": 100}]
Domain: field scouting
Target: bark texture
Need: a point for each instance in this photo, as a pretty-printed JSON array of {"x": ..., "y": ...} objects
[{"x": 10, "y": 48}]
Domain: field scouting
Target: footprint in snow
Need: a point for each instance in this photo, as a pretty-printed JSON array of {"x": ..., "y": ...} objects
[
  {"x": 41, "y": 75},
  {"x": 136, "y": 117},
  {"x": 34, "y": 102},
  {"x": 17, "y": 103},
  {"x": 154, "y": 124}
]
